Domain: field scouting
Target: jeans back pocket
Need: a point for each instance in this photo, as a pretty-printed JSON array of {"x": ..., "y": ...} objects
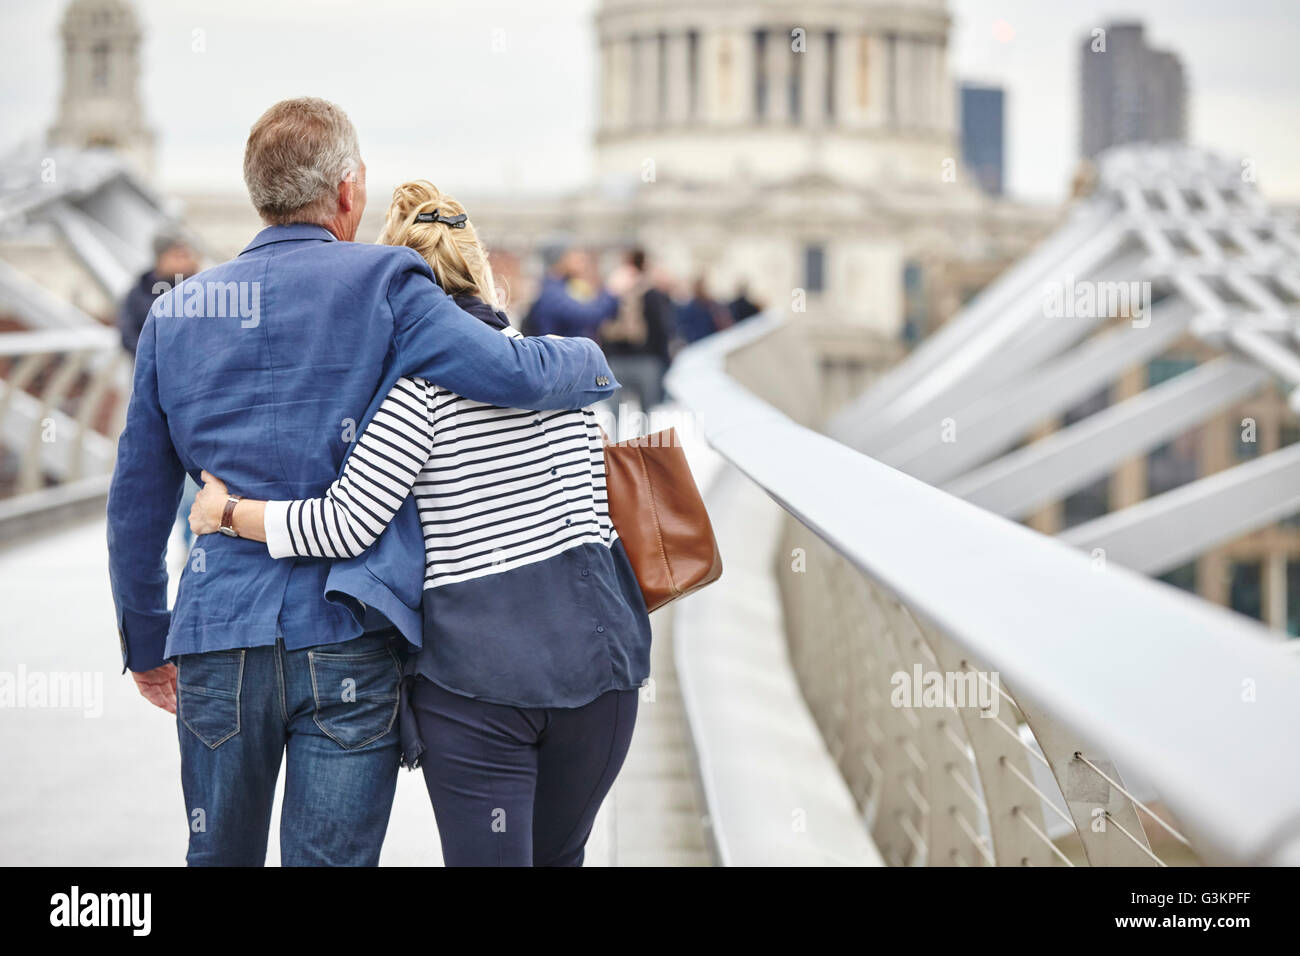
[
  {"x": 355, "y": 692},
  {"x": 208, "y": 687}
]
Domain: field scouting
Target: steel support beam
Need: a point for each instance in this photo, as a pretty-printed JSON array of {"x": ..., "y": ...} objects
[
  {"x": 1017, "y": 484},
  {"x": 1168, "y": 530},
  {"x": 1022, "y": 278},
  {"x": 989, "y": 427},
  {"x": 1001, "y": 346}
]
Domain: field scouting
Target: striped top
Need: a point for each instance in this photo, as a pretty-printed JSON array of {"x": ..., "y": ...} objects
[
  {"x": 496, "y": 488},
  {"x": 529, "y": 598}
]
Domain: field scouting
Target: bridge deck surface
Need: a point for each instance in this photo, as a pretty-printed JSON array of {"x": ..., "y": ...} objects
[{"x": 104, "y": 788}]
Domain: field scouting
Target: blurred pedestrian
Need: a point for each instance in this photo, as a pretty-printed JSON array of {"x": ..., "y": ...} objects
[
  {"x": 174, "y": 260},
  {"x": 742, "y": 307},
  {"x": 571, "y": 302},
  {"x": 636, "y": 341},
  {"x": 702, "y": 315}
]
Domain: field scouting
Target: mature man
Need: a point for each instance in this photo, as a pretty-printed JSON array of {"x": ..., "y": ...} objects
[{"x": 258, "y": 370}]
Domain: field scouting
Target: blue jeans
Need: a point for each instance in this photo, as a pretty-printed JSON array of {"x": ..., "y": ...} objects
[
  {"x": 332, "y": 709},
  {"x": 519, "y": 786}
]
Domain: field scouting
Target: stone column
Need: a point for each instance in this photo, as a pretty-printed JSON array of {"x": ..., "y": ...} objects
[
  {"x": 645, "y": 80},
  {"x": 779, "y": 56},
  {"x": 852, "y": 81},
  {"x": 618, "y": 84},
  {"x": 726, "y": 77},
  {"x": 922, "y": 80},
  {"x": 606, "y": 85},
  {"x": 904, "y": 81},
  {"x": 815, "y": 71},
  {"x": 946, "y": 94},
  {"x": 678, "y": 78}
]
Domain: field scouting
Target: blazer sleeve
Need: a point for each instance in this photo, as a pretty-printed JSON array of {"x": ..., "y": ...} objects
[
  {"x": 142, "y": 501},
  {"x": 437, "y": 341},
  {"x": 376, "y": 478}
]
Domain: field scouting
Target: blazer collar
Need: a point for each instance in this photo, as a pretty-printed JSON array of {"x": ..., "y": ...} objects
[{"x": 292, "y": 232}]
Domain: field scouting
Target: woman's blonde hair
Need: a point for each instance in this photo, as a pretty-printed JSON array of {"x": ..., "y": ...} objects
[{"x": 458, "y": 259}]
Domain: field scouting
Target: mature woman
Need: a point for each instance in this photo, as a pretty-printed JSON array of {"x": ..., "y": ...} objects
[{"x": 522, "y": 699}]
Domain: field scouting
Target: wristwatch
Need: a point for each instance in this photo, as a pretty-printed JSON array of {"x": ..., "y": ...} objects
[{"x": 228, "y": 516}]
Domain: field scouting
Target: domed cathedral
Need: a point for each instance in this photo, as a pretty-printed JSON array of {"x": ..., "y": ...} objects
[
  {"x": 712, "y": 90},
  {"x": 803, "y": 151},
  {"x": 100, "y": 101}
]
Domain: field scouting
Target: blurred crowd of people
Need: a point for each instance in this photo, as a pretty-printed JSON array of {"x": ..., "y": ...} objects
[{"x": 640, "y": 315}]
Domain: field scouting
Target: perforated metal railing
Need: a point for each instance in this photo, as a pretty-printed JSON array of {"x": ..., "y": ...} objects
[{"x": 1090, "y": 715}]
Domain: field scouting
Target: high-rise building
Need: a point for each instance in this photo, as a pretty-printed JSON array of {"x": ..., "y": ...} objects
[
  {"x": 1128, "y": 92},
  {"x": 982, "y": 134}
]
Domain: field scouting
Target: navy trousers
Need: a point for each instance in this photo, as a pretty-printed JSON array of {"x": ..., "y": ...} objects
[{"x": 515, "y": 786}]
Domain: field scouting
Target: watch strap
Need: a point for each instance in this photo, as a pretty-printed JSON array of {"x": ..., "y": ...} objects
[{"x": 228, "y": 516}]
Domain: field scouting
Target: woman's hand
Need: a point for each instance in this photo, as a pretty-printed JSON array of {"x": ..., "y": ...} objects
[{"x": 209, "y": 503}]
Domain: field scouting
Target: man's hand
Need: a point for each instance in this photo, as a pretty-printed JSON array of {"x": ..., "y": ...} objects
[
  {"x": 209, "y": 503},
  {"x": 158, "y": 686}
]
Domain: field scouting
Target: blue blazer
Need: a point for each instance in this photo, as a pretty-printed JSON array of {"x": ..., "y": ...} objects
[{"x": 256, "y": 370}]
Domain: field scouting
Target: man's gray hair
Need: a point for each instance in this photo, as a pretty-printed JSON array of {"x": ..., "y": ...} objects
[{"x": 297, "y": 154}]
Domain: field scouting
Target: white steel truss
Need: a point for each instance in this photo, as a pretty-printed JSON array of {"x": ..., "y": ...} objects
[{"x": 1186, "y": 235}]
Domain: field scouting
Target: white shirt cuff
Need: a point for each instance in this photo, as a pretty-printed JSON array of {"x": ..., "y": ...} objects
[{"x": 275, "y": 526}]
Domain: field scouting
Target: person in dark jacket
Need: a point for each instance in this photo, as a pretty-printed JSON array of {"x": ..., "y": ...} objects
[
  {"x": 637, "y": 341},
  {"x": 173, "y": 260},
  {"x": 742, "y": 307},
  {"x": 562, "y": 309},
  {"x": 702, "y": 316}
]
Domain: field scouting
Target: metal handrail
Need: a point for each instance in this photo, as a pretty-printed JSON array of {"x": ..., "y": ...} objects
[{"x": 1198, "y": 701}]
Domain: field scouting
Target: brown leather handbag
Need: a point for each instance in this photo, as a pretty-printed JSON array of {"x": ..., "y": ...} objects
[{"x": 659, "y": 514}]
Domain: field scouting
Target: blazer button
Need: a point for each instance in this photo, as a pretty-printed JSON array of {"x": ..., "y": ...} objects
[
  {"x": 600, "y": 628},
  {"x": 585, "y": 572}
]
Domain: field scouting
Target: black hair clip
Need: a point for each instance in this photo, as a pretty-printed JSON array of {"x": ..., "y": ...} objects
[{"x": 456, "y": 222}]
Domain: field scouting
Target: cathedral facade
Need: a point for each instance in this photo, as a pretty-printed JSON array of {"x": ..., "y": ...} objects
[
  {"x": 806, "y": 152},
  {"x": 803, "y": 152}
]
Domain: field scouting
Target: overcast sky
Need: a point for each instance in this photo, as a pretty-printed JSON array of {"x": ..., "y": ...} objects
[{"x": 499, "y": 97}]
